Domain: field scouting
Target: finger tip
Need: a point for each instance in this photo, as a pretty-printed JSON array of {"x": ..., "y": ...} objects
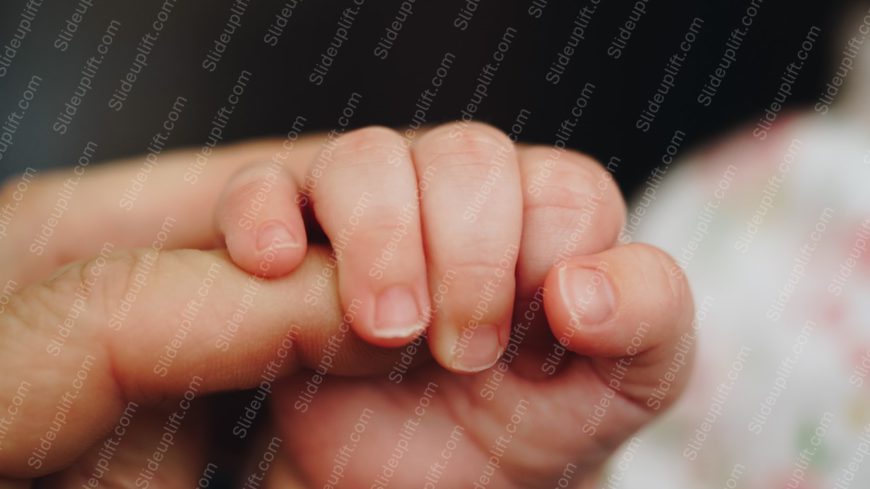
[
  {"x": 554, "y": 306},
  {"x": 473, "y": 351},
  {"x": 269, "y": 263},
  {"x": 395, "y": 316},
  {"x": 394, "y": 337},
  {"x": 278, "y": 261},
  {"x": 564, "y": 327},
  {"x": 242, "y": 254}
]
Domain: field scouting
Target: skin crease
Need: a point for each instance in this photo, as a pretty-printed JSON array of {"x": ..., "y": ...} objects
[
  {"x": 552, "y": 409},
  {"x": 550, "y": 435},
  {"x": 536, "y": 456}
]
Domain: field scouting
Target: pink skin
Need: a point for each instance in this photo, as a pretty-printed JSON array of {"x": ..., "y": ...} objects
[
  {"x": 553, "y": 418},
  {"x": 524, "y": 232},
  {"x": 453, "y": 163}
]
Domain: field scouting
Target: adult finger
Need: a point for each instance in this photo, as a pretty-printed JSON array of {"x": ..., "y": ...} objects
[
  {"x": 366, "y": 202},
  {"x": 629, "y": 308},
  {"x": 62, "y": 216},
  {"x": 472, "y": 219},
  {"x": 259, "y": 217},
  {"x": 142, "y": 326}
]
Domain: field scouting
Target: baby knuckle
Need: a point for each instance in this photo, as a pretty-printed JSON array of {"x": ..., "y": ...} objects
[{"x": 369, "y": 144}]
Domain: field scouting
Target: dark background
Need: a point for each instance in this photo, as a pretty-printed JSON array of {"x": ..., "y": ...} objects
[{"x": 280, "y": 90}]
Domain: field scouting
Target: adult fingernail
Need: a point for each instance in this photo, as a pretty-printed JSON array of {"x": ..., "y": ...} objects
[
  {"x": 274, "y": 235},
  {"x": 397, "y": 314},
  {"x": 588, "y": 294},
  {"x": 477, "y": 349}
]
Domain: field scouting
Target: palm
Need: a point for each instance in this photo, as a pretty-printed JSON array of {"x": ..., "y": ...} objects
[{"x": 547, "y": 416}]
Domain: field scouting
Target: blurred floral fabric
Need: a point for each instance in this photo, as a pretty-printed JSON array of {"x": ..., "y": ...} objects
[{"x": 773, "y": 234}]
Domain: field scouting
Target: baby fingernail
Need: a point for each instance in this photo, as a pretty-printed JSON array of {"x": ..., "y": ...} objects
[
  {"x": 274, "y": 235},
  {"x": 397, "y": 314},
  {"x": 477, "y": 349},
  {"x": 588, "y": 294}
]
